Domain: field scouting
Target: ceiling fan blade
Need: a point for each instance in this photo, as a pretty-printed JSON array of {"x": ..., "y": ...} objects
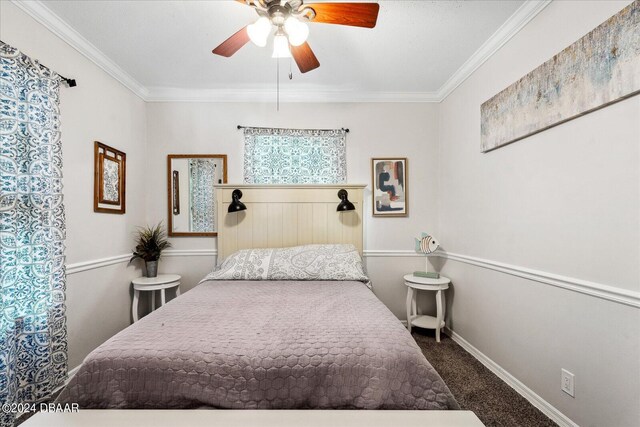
[
  {"x": 353, "y": 14},
  {"x": 233, "y": 43},
  {"x": 304, "y": 57}
]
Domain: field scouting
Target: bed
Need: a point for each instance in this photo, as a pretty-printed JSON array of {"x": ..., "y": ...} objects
[{"x": 279, "y": 328}]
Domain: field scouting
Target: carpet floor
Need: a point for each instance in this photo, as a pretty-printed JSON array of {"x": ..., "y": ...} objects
[{"x": 475, "y": 387}]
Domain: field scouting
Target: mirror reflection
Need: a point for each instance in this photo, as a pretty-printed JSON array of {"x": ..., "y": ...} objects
[{"x": 191, "y": 193}]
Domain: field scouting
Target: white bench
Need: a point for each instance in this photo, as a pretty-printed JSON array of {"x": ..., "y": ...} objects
[{"x": 253, "y": 418}]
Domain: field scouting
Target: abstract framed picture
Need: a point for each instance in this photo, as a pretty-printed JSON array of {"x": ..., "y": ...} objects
[
  {"x": 109, "y": 195},
  {"x": 389, "y": 184},
  {"x": 594, "y": 72}
]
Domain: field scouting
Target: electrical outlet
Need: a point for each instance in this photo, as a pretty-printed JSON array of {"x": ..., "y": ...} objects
[{"x": 567, "y": 382}]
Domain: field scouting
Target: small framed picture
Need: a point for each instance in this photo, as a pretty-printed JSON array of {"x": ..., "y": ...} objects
[
  {"x": 389, "y": 183},
  {"x": 109, "y": 179}
]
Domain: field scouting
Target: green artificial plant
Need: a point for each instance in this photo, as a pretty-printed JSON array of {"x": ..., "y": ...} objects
[{"x": 150, "y": 242}]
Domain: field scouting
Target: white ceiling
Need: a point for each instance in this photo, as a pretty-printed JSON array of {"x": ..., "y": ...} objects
[{"x": 415, "y": 48}]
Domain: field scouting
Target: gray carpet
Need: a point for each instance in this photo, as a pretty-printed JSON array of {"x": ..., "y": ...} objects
[{"x": 475, "y": 387}]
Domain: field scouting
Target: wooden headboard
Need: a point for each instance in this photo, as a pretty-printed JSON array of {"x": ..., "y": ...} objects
[{"x": 287, "y": 215}]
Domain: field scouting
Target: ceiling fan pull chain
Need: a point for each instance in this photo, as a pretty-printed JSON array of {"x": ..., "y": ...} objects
[
  {"x": 290, "y": 73},
  {"x": 278, "y": 84}
]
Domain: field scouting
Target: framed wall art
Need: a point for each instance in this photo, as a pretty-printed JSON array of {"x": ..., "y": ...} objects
[
  {"x": 389, "y": 184},
  {"x": 109, "y": 195},
  {"x": 191, "y": 196},
  {"x": 596, "y": 71}
]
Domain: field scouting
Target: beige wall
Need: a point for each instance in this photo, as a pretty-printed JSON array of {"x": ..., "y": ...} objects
[
  {"x": 99, "y": 108},
  {"x": 385, "y": 129},
  {"x": 565, "y": 202}
]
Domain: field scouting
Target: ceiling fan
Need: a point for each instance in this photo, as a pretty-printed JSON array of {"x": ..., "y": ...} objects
[{"x": 290, "y": 18}]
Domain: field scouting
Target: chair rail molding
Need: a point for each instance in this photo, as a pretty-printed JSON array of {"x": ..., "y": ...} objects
[
  {"x": 383, "y": 253},
  {"x": 78, "y": 267},
  {"x": 598, "y": 290},
  {"x": 190, "y": 252},
  {"x": 117, "y": 259},
  {"x": 606, "y": 292}
]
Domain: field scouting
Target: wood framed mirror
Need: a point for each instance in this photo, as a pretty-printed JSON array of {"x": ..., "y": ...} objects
[{"x": 191, "y": 196}]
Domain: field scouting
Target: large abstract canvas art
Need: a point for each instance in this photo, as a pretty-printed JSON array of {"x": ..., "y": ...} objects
[{"x": 601, "y": 68}]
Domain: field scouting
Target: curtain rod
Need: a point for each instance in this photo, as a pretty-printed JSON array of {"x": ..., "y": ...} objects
[
  {"x": 255, "y": 127},
  {"x": 70, "y": 82}
]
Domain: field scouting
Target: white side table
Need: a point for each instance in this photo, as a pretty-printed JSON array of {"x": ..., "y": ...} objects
[
  {"x": 414, "y": 284},
  {"x": 161, "y": 283}
]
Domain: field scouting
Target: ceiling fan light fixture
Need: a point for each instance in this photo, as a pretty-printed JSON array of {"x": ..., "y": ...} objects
[
  {"x": 297, "y": 31},
  {"x": 281, "y": 46},
  {"x": 259, "y": 31}
]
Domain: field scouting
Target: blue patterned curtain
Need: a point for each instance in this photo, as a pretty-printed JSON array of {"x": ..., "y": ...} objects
[
  {"x": 294, "y": 156},
  {"x": 33, "y": 345},
  {"x": 202, "y": 177}
]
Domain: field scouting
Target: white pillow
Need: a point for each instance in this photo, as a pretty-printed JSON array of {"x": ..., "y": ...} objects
[{"x": 309, "y": 262}]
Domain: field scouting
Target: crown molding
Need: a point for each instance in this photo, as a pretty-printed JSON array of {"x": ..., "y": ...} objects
[
  {"x": 41, "y": 13},
  {"x": 510, "y": 28},
  {"x": 45, "y": 16},
  {"x": 507, "y": 30},
  {"x": 163, "y": 94}
]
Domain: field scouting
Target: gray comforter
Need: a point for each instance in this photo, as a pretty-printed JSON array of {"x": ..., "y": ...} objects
[{"x": 263, "y": 344}]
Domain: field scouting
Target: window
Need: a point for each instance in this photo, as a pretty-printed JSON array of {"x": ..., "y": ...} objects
[{"x": 294, "y": 156}]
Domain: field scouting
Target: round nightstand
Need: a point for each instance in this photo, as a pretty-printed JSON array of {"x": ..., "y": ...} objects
[
  {"x": 161, "y": 283},
  {"x": 414, "y": 284}
]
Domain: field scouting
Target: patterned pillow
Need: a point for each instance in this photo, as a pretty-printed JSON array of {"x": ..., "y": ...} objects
[{"x": 309, "y": 262}]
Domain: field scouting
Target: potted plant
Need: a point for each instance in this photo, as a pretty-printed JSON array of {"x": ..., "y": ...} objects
[{"x": 150, "y": 242}]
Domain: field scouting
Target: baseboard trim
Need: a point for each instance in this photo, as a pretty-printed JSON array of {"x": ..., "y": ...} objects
[
  {"x": 606, "y": 292},
  {"x": 533, "y": 398}
]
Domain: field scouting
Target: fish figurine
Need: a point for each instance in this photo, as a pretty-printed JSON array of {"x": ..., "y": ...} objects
[{"x": 427, "y": 244}]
